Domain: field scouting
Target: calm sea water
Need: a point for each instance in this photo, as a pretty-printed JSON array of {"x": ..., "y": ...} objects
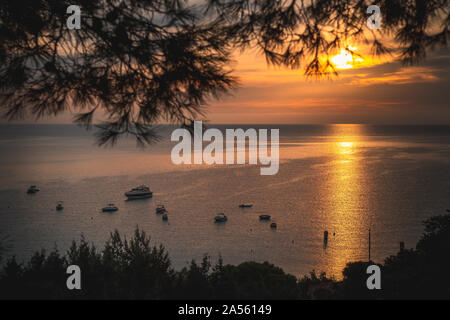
[{"x": 341, "y": 178}]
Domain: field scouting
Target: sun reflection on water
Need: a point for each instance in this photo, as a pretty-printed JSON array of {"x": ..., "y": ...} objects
[
  {"x": 346, "y": 204},
  {"x": 345, "y": 147}
]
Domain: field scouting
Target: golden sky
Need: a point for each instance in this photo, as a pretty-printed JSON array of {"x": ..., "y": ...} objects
[{"x": 367, "y": 90}]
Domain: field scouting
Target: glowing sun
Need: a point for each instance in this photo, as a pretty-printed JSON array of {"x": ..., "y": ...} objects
[{"x": 345, "y": 60}]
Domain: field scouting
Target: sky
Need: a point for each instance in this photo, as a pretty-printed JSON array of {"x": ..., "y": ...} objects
[
  {"x": 369, "y": 91},
  {"x": 372, "y": 91}
]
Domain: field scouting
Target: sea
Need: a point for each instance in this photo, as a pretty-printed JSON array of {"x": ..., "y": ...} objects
[{"x": 343, "y": 179}]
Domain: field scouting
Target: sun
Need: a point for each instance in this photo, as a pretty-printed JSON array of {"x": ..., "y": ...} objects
[
  {"x": 345, "y": 60},
  {"x": 346, "y": 144}
]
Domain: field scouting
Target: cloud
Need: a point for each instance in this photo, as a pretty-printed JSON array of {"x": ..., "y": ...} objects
[{"x": 403, "y": 76}]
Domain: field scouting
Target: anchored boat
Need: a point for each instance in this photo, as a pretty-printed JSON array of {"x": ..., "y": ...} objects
[
  {"x": 59, "y": 206},
  {"x": 160, "y": 209},
  {"x": 110, "y": 208},
  {"x": 32, "y": 190},
  {"x": 140, "y": 192},
  {"x": 221, "y": 217}
]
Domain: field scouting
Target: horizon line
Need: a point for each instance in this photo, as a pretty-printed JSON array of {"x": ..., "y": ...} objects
[{"x": 246, "y": 124}]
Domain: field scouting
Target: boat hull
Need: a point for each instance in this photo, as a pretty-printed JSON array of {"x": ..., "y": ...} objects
[
  {"x": 140, "y": 196},
  {"x": 220, "y": 219}
]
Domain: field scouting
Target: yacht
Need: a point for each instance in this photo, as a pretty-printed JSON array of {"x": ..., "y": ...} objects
[
  {"x": 221, "y": 217},
  {"x": 140, "y": 192},
  {"x": 32, "y": 189},
  {"x": 110, "y": 208}
]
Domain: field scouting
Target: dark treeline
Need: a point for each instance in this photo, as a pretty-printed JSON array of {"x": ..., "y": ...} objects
[{"x": 136, "y": 269}]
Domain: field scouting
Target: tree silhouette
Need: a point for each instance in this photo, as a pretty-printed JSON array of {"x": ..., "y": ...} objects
[
  {"x": 137, "y": 62},
  {"x": 138, "y": 269},
  {"x": 4, "y": 245}
]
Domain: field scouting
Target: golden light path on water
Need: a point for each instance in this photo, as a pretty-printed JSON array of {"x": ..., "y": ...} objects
[{"x": 346, "y": 209}]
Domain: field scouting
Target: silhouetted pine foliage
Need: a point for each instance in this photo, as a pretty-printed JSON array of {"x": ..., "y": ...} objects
[{"x": 137, "y": 62}]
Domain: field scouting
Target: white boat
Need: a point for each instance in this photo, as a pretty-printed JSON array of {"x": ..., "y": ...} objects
[
  {"x": 59, "y": 206},
  {"x": 110, "y": 208},
  {"x": 140, "y": 192},
  {"x": 160, "y": 209},
  {"x": 221, "y": 217},
  {"x": 32, "y": 189}
]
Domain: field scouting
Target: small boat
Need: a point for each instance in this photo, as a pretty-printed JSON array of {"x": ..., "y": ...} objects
[
  {"x": 110, "y": 208},
  {"x": 32, "y": 190},
  {"x": 140, "y": 192},
  {"x": 59, "y": 206},
  {"x": 273, "y": 225},
  {"x": 264, "y": 217},
  {"x": 160, "y": 209},
  {"x": 221, "y": 217},
  {"x": 245, "y": 205},
  {"x": 165, "y": 217}
]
